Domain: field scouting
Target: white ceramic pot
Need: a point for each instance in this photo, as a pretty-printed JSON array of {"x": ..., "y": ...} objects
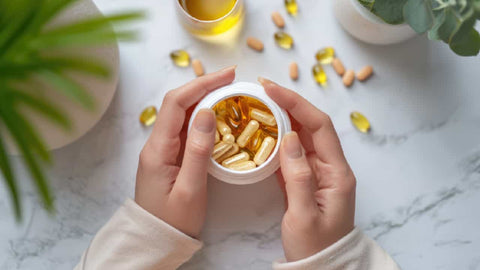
[
  {"x": 365, "y": 26},
  {"x": 102, "y": 90}
]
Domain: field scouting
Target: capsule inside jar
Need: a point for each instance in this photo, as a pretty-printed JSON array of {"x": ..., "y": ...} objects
[{"x": 248, "y": 129}]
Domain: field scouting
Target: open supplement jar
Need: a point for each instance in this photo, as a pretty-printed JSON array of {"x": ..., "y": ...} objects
[{"x": 250, "y": 128}]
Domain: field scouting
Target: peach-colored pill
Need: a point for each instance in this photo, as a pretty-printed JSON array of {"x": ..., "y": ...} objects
[
  {"x": 197, "y": 67},
  {"x": 338, "y": 66},
  {"x": 255, "y": 44},
  {"x": 293, "y": 68},
  {"x": 278, "y": 19},
  {"x": 365, "y": 73},
  {"x": 348, "y": 78}
]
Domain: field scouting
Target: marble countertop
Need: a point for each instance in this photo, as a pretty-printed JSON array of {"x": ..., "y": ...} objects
[{"x": 418, "y": 171}]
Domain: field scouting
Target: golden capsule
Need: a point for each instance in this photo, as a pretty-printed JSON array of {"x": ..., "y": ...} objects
[
  {"x": 228, "y": 138},
  {"x": 247, "y": 133},
  {"x": 217, "y": 136},
  {"x": 263, "y": 117},
  {"x": 265, "y": 150},
  {"x": 256, "y": 141},
  {"x": 360, "y": 122},
  {"x": 233, "y": 110},
  {"x": 232, "y": 151},
  {"x": 291, "y": 7},
  {"x": 244, "y": 109},
  {"x": 283, "y": 40},
  {"x": 254, "y": 103},
  {"x": 222, "y": 127},
  {"x": 220, "y": 149},
  {"x": 319, "y": 74},
  {"x": 148, "y": 116},
  {"x": 243, "y": 156},
  {"x": 270, "y": 131},
  {"x": 180, "y": 58},
  {"x": 243, "y": 166},
  {"x": 325, "y": 55}
]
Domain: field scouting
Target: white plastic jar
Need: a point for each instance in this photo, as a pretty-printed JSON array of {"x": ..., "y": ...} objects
[{"x": 283, "y": 124}]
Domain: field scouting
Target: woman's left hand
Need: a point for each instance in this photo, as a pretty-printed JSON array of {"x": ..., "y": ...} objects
[{"x": 172, "y": 171}]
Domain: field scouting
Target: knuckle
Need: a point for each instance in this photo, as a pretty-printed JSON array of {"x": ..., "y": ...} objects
[
  {"x": 185, "y": 195},
  {"x": 302, "y": 174},
  {"x": 199, "y": 149},
  {"x": 170, "y": 97}
]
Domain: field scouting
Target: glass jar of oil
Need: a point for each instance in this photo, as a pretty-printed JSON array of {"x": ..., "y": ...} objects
[
  {"x": 206, "y": 18},
  {"x": 260, "y": 155}
]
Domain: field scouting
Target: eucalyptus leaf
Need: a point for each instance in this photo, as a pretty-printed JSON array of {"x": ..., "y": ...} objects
[
  {"x": 391, "y": 11},
  {"x": 418, "y": 14},
  {"x": 467, "y": 44}
]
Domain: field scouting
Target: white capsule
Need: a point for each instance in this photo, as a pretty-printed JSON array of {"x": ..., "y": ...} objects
[
  {"x": 243, "y": 156},
  {"x": 228, "y": 138},
  {"x": 222, "y": 127},
  {"x": 263, "y": 117},
  {"x": 247, "y": 133},
  {"x": 220, "y": 148},
  {"x": 232, "y": 151},
  {"x": 265, "y": 150},
  {"x": 242, "y": 166}
]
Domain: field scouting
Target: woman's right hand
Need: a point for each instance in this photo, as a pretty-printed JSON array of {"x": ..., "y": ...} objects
[{"x": 317, "y": 180}]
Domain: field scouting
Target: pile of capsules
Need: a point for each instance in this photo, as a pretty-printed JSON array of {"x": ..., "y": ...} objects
[{"x": 246, "y": 133}]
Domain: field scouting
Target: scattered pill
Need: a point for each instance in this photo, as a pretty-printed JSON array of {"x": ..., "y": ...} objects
[
  {"x": 292, "y": 7},
  {"x": 319, "y": 74},
  {"x": 360, "y": 122},
  {"x": 197, "y": 67},
  {"x": 338, "y": 66},
  {"x": 255, "y": 44},
  {"x": 348, "y": 78},
  {"x": 148, "y": 116},
  {"x": 283, "y": 40},
  {"x": 180, "y": 58},
  {"x": 293, "y": 69},
  {"x": 278, "y": 19},
  {"x": 365, "y": 73},
  {"x": 325, "y": 55}
]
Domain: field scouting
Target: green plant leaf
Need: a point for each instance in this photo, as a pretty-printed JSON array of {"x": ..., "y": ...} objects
[
  {"x": 391, "y": 11},
  {"x": 68, "y": 87},
  {"x": 466, "y": 45},
  {"x": 10, "y": 181},
  {"x": 418, "y": 14},
  {"x": 81, "y": 39},
  {"x": 66, "y": 62},
  {"x": 368, "y": 4}
]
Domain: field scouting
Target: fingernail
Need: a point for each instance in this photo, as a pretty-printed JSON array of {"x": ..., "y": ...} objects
[
  {"x": 292, "y": 146},
  {"x": 229, "y": 68},
  {"x": 204, "y": 121},
  {"x": 263, "y": 80}
]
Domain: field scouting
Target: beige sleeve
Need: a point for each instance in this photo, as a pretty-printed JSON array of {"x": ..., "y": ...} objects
[
  {"x": 355, "y": 251},
  {"x": 135, "y": 239}
]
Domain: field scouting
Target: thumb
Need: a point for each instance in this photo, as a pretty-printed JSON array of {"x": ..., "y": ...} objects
[
  {"x": 198, "y": 149},
  {"x": 297, "y": 174}
]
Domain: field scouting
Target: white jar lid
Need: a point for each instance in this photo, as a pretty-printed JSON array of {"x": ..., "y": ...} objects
[{"x": 283, "y": 123}]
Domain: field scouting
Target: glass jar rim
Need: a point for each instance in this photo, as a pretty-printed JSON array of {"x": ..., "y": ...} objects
[{"x": 207, "y": 21}]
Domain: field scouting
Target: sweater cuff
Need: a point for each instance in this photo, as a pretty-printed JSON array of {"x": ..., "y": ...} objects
[
  {"x": 157, "y": 229},
  {"x": 325, "y": 257}
]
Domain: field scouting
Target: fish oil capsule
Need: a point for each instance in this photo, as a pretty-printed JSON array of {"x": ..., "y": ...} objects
[
  {"x": 291, "y": 7},
  {"x": 365, "y": 73},
  {"x": 247, "y": 133},
  {"x": 198, "y": 67},
  {"x": 217, "y": 136},
  {"x": 319, "y": 74},
  {"x": 293, "y": 71},
  {"x": 222, "y": 127},
  {"x": 348, "y": 78},
  {"x": 148, "y": 116},
  {"x": 232, "y": 151},
  {"x": 228, "y": 138},
  {"x": 278, "y": 19},
  {"x": 255, "y": 44},
  {"x": 242, "y": 166},
  {"x": 221, "y": 108},
  {"x": 270, "y": 131},
  {"x": 253, "y": 103},
  {"x": 325, "y": 56},
  {"x": 180, "y": 58},
  {"x": 265, "y": 150},
  {"x": 256, "y": 141},
  {"x": 338, "y": 66},
  {"x": 283, "y": 40},
  {"x": 233, "y": 110},
  {"x": 243, "y": 156},
  {"x": 244, "y": 109},
  {"x": 263, "y": 117},
  {"x": 235, "y": 126},
  {"x": 360, "y": 122},
  {"x": 220, "y": 148}
]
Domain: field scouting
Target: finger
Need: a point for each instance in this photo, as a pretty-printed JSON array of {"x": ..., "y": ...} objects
[
  {"x": 297, "y": 174},
  {"x": 326, "y": 142},
  {"x": 198, "y": 149},
  {"x": 281, "y": 184},
  {"x": 165, "y": 135}
]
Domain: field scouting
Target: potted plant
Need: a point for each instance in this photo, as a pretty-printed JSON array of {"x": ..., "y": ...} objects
[
  {"x": 42, "y": 57},
  {"x": 387, "y": 21}
]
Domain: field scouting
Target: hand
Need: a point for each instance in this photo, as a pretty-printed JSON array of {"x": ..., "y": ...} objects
[
  {"x": 172, "y": 182},
  {"x": 319, "y": 184}
]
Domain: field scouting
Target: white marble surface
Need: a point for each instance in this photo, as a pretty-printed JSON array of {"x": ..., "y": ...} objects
[{"x": 418, "y": 171}]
